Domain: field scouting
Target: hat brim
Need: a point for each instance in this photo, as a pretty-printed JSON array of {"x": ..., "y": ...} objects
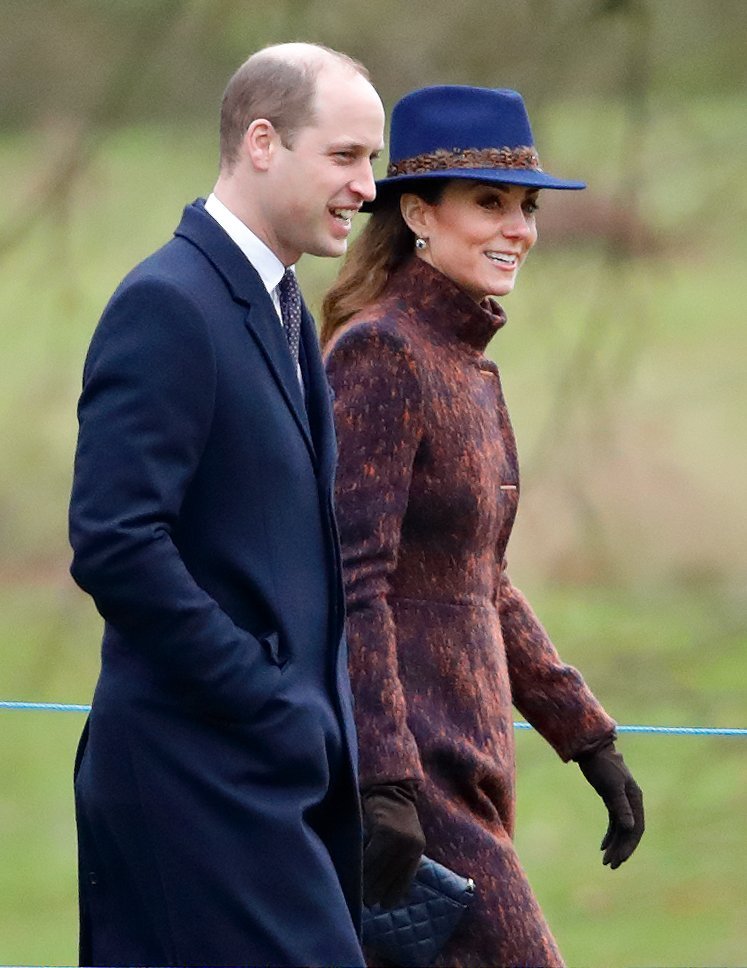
[{"x": 529, "y": 177}]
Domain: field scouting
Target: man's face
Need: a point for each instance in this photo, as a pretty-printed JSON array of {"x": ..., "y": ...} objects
[{"x": 317, "y": 185}]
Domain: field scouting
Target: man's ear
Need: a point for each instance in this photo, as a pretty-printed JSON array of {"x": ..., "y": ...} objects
[
  {"x": 260, "y": 142},
  {"x": 415, "y": 212}
]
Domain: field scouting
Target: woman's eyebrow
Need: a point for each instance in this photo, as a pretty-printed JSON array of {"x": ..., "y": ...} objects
[{"x": 504, "y": 189}]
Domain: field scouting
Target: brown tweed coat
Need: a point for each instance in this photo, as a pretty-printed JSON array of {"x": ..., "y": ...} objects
[{"x": 441, "y": 643}]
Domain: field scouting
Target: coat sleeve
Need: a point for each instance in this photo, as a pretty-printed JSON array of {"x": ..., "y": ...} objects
[
  {"x": 379, "y": 425},
  {"x": 144, "y": 417},
  {"x": 552, "y": 696}
]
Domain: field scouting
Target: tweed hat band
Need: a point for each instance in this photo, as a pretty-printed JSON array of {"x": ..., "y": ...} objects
[{"x": 447, "y": 159}]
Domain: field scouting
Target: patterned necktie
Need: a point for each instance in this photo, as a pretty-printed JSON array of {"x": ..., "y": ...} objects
[{"x": 290, "y": 309}]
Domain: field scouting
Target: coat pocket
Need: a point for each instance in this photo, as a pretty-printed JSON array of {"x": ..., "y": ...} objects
[{"x": 271, "y": 644}]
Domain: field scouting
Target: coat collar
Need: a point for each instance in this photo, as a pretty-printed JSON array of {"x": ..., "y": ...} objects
[
  {"x": 201, "y": 229},
  {"x": 247, "y": 289},
  {"x": 445, "y": 308}
]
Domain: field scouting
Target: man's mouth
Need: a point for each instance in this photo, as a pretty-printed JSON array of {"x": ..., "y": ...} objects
[{"x": 344, "y": 215}]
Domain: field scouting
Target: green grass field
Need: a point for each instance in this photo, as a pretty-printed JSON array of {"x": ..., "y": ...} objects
[
  {"x": 625, "y": 380},
  {"x": 678, "y": 901}
]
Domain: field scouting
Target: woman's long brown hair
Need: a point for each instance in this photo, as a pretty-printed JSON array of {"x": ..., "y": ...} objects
[{"x": 383, "y": 246}]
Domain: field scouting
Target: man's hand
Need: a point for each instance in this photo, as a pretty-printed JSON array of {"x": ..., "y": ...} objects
[
  {"x": 606, "y": 771},
  {"x": 394, "y": 842}
]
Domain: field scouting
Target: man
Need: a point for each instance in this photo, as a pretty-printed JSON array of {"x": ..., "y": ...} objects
[{"x": 216, "y": 799}]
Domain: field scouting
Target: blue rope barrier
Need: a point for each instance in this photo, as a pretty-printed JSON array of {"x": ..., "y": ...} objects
[
  {"x": 66, "y": 707},
  {"x": 57, "y": 707},
  {"x": 684, "y": 730},
  {"x": 672, "y": 730}
]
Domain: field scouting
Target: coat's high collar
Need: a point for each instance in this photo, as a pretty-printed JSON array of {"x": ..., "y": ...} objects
[{"x": 433, "y": 298}]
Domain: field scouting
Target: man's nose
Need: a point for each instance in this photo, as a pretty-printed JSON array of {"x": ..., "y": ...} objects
[{"x": 364, "y": 183}]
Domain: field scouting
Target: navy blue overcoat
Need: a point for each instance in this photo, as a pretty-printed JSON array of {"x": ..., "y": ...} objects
[{"x": 216, "y": 792}]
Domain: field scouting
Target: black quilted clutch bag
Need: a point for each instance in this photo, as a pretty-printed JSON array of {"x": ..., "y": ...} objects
[{"x": 414, "y": 932}]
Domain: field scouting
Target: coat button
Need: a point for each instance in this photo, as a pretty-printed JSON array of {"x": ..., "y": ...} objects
[{"x": 92, "y": 878}]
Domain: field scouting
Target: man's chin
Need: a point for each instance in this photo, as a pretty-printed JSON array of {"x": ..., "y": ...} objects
[{"x": 331, "y": 248}]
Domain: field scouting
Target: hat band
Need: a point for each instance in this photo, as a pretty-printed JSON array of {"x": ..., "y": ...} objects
[{"x": 443, "y": 160}]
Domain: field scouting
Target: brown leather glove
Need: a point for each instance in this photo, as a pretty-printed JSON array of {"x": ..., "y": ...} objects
[
  {"x": 606, "y": 771},
  {"x": 394, "y": 842}
]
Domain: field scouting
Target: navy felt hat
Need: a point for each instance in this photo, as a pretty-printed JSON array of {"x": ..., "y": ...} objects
[{"x": 457, "y": 131}]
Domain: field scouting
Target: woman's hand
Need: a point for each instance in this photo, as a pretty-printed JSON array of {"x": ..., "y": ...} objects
[
  {"x": 394, "y": 842},
  {"x": 606, "y": 771}
]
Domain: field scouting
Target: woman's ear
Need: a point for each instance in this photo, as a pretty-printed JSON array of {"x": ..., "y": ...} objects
[{"x": 415, "y": 212}]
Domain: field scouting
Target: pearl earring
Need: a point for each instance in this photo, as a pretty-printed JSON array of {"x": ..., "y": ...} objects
[{"x": 420, "y": 243}]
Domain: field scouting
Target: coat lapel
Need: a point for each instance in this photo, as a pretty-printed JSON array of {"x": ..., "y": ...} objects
[
  {"x": 246, "y": 288},
  {"x": 318, "y": 401},
  {"x": 319, "y": 406},
  {"x": 268, "y": 334}
]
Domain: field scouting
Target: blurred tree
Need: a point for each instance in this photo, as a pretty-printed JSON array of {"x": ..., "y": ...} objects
[
  {"x": 77, "y": 134},
  {"x": 56, "y": 54}
]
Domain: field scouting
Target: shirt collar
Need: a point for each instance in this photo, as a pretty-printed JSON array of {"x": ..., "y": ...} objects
[{"x": 264, "y": 260}]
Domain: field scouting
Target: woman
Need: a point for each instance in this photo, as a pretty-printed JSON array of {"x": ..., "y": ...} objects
[{"x": 441, "y": 642}]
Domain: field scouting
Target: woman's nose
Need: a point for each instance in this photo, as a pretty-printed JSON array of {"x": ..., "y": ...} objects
[{"x": 518, "y": 224}]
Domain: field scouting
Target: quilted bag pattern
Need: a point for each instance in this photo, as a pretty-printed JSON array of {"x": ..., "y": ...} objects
[{"x": 413, "y": 933}]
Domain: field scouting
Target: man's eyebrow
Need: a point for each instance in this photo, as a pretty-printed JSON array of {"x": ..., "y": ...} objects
[{"x": 353, "y": 145}]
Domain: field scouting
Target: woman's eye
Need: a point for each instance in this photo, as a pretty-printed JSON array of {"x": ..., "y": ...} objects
[{"x": 530, "y": 207}]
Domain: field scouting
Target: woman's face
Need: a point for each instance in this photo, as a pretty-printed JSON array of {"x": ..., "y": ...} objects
[{"x": 479, "y": 233}]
